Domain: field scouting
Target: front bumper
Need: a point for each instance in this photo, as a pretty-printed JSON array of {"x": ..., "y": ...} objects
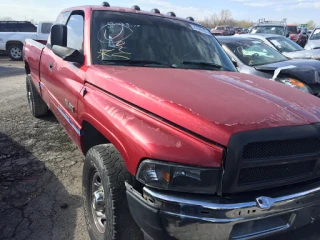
[{"x": 163, "y": 215}]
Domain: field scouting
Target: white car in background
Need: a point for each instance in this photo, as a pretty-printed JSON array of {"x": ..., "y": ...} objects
[
  {"x": 314, "y": 40},
  {"x": 14, "y": 33}
]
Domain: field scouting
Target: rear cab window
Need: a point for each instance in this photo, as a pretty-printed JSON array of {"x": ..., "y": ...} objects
[
  {"x": 46, "y": 28},
  {"x": 292, "y": 29}
]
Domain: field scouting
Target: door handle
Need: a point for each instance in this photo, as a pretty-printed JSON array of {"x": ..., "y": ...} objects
[{"x": 50, "y": 66}]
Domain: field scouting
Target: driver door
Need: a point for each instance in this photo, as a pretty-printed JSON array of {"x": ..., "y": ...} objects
[{"x": 62, "y": 81}]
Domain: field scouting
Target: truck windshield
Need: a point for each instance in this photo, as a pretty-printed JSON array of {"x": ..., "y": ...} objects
[
  {"x": 279, "y": 30},
  {"x": 284, "y": 44},
  {"x": 254, "y": 53},
  {"x": 119, "y": 38}
]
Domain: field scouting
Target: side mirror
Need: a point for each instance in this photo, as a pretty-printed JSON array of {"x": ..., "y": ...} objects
[
  {"x": 58, "y": 35},
  {"x": 288, "y": 35},
  {"x": 299, "y": 31},
  {"x": 68, "y": 54}
]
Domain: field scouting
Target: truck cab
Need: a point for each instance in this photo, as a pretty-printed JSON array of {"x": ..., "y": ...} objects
[{"x": 270, "y": 27}]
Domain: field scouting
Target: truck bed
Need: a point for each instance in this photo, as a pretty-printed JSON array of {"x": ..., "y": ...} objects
[{"x": 32, "y": 55}]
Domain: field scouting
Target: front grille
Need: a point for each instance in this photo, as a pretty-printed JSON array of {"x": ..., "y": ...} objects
[
  {"x": 271, "y": 157},
  {"x": 264, "y": 174},
  {"x": 284, "y": 148}
]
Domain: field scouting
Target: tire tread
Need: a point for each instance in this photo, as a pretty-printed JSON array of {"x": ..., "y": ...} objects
[
  {"x": 39, "y": 107},
  {"x": 123, "y": 225}
]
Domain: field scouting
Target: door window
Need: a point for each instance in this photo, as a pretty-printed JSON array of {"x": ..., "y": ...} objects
[{"x": 75, "y": 32}]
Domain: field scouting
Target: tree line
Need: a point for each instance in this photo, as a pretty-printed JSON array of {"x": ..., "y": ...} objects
[
  {"x": 11, "y": 19},
  {"x": 225, "y": 18}
]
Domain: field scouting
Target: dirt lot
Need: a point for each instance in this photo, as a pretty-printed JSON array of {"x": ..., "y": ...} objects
[{"x": 40, "y": 171}]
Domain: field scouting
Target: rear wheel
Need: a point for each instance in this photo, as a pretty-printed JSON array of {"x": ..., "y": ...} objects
[
  {"x": 15, "y": 52},
  {"x": 105, "y": 204},
  {"x": 37, "y": 106}
]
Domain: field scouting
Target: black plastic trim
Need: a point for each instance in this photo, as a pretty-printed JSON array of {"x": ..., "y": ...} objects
[
  {"x": 234, "y": 162},
  {"x": 147, "y": 218}
]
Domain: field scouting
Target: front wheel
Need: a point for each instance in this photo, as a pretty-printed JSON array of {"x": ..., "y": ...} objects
[
  {"x": 15, "y": 52},
  {"x": 105, "y": 204}
]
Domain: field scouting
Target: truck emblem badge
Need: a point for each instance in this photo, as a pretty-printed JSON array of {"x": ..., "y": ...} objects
[
  {"x": 265, "y": 202},
  {"x": 69, "y": 105}
]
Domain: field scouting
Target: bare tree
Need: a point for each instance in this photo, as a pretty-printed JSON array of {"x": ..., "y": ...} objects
[
  {"x": 224, "y": 18},
  {"x": 6, "y": 19},
  {"x": 244, "y": 23},
  {"x": 311, "y": 24},
  {"x": 33, "y": 21}
]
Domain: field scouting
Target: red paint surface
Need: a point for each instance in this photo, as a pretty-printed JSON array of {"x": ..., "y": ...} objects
[{"x": 211, "y": 104}]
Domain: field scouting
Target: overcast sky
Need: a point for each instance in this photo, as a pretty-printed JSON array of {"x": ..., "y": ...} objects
[{"x": 294, "y": 10}]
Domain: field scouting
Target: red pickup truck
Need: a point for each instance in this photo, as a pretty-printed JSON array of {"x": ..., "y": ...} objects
[
  {"x": 296, "y": 35},
  {"x": 177, "y": 143},
  {"x": 222, "y": 31}
]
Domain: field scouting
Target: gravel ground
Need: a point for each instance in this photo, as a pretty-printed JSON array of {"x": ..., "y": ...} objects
[{"x": 40, "y": 171}]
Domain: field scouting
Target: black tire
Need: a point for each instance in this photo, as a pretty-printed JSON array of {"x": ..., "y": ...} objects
[
  {"x": 37, "y": 106},
  {"x": 107, "y": 162},
  {"x": 15, "y": 52}
]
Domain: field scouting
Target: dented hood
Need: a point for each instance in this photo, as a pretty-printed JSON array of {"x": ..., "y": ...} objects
[
  {"x": 306, "y": 71},
  {"x": 212, "y": 104},
  {"x": 305, "y": 54}
]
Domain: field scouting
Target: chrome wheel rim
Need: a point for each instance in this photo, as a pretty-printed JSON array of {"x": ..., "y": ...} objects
[
  {"x": 98, "y": 203},
  {"x": 16, "y": 52}
]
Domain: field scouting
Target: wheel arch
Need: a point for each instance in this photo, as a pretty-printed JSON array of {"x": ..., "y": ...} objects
[
  {"x": 27, "y": 67},
  {"x": 13, "y": 42},
  {"x": 91, "y": 137},
  {"x": 94, "y": 133}
]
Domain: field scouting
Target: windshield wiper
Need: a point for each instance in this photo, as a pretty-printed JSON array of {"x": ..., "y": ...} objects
[
  {"x": 205, "y": 64},
  {"x": 136, "y": 62}
]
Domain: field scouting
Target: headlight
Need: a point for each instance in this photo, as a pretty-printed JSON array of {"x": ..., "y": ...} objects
[
  {"x": 296, "y": 84},
  {"x": 175, "y": 177}
]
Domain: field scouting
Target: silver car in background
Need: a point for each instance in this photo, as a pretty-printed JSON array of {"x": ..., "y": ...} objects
[
  {"x": 252, "y": 56},
  {"x": 314, "y": 40},
  {"x": 285, "y": 46}
]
